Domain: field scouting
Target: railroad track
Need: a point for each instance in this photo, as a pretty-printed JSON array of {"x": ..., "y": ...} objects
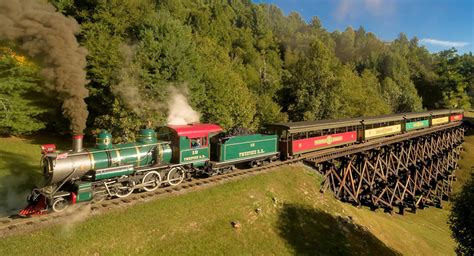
[{"x": 12, "y": 225}]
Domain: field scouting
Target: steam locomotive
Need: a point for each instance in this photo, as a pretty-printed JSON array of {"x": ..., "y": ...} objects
[{"x": 173, "y": 153}]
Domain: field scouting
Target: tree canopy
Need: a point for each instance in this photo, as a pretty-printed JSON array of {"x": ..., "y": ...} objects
[{"x": 239, "y": 63}]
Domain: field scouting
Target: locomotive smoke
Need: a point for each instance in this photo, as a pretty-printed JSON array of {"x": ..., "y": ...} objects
[
  {"x": 13, "y": 189},
  {"x": 128, "y": 89},
  {"x": 129, "y": 84},
  {"x": 49, "y": 37},
  {"x": 77, "y": 214},
  {"x": 180, "y": 112}
]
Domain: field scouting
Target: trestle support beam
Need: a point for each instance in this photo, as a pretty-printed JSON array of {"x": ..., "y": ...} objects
[{"x": 410, "y": 174}]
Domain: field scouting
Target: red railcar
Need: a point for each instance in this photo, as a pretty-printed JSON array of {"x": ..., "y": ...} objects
[
  {"x": 456, "y": 115},
  {"x": 301, "y": 137}
]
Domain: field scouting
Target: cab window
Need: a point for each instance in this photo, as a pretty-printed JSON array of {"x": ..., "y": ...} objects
[{"x": 198, "y": 142}]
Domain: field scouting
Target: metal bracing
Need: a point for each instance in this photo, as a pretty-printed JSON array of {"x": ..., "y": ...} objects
[{"x": 411, "y": 173}]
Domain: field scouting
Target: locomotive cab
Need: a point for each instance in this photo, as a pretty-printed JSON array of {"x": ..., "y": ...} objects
[{"x": 190, "y": 143}]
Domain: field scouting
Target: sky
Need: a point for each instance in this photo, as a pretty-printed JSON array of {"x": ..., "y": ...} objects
[{"x": 438, "y": 24}]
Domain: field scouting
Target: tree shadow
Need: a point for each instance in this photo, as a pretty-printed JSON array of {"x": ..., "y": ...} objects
[
  {"x": 468, "y": 123},
  {"x": 313, "y": 232},
  {"x": 18, "y": 181},
  {"x": 461, "y": 218}
]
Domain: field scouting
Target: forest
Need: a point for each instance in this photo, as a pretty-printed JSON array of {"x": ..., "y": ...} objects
[{"x": 238, "y": 63}]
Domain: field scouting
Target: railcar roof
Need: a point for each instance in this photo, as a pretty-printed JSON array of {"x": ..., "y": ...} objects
[
  {"x": 382, "y": 119},
  {"x": 195, "y": 130},
  {"x": 417, "y": 114},
  {"x": 303, "y": 126},
  {"x": 459, "y": 110},
  {"x": 440, "y": 112}
]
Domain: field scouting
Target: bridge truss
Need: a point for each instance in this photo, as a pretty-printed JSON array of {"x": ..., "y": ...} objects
[{"x": 406, "y": 173}]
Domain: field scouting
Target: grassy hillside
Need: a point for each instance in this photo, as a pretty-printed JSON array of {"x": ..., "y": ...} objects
[{"x": 293, "y": 217}]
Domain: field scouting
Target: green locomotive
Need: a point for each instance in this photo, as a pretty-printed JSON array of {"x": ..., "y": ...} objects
[
  {"x": 116, "y": 170},
  {"x": 83, "y": 174}
]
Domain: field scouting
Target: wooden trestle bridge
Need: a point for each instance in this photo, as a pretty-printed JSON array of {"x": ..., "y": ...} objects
[{"x": 411, "y": 170}]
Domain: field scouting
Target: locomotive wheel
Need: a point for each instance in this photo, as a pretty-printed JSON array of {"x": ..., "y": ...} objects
[
  {"x": 175, "y": 176},
  {"x": 125, "y": 189},
  {"x": 253, "y": 164},
  {"x": 99, "y": 196},
  {"x": 59, "y": 204},
  {"x": 153, "y": 178}
]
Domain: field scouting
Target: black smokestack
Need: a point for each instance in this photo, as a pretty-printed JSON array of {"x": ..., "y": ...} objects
[{"x": 49, "y": 37}]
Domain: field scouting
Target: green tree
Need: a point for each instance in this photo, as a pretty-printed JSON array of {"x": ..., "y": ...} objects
[
  {"x": 311, "y": 85},
  {"x": 360, "y": 95},
  {"x": 345, "y": 45},
  {"x": 20, "y": 109},
  {"x": 454, "y": 79},
  {"x": 248, "y": 64},
  {"x": 228, "y": 101},
  {"x": 392, "y": 65}
]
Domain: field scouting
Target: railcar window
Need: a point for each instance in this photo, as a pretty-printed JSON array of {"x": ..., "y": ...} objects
[
  {"x": 296, "y": 136},
  {"x": 325, "y": 132}
]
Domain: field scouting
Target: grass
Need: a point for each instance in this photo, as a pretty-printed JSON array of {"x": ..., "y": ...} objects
[
  {"x": 20, "y": 169},
  {"x": 294, "y": 219}
]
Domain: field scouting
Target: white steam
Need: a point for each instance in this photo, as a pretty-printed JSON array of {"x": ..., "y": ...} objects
[
  {"x": 180, "y": 112},
  {"x": 77, "y": 214}
]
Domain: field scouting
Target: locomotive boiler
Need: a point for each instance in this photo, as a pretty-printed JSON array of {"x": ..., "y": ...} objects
[{"x": 83, "y": 174}]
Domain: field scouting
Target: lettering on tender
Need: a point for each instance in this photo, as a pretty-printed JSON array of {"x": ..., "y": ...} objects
[
  {"x": 251, "y": 152},
  {"x": 192, "y": 158}
]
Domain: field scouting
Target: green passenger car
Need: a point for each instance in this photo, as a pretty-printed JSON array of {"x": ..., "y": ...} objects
[
  {"x": 242, "y": 148},
  {"x": 417, "y": 125}
]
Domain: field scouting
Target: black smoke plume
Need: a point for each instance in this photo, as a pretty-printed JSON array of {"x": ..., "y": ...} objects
[{"x": 49, "y": 37}]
